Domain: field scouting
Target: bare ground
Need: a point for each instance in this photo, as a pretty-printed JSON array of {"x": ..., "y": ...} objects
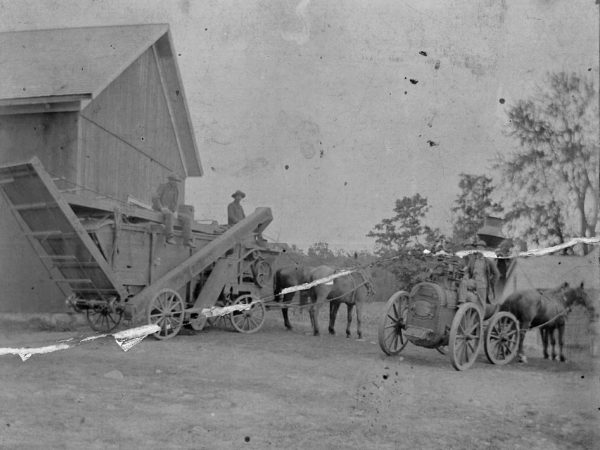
[{"x": 278, "y": 389}]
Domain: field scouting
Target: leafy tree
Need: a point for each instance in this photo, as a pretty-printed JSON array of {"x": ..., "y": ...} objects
[
  {"x": 405, "y": 228},
  {"x": 551, "y": 180},
  {"x": 402, "y": 238},
  {"x": 472, "y": 205}
]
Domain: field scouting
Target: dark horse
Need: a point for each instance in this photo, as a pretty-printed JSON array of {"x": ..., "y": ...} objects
[
  {"x": 547, "y": 309},
  {"x": 352, "y": 289}
]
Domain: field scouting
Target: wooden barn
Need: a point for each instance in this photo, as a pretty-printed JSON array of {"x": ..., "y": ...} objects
[{"x": 104, "y": 110}]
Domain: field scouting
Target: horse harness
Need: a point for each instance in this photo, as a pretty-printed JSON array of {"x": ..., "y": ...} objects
[{"x": 366, "y": 281}]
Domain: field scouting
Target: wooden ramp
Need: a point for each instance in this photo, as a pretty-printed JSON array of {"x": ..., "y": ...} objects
[{"x": 74, "y": 261}]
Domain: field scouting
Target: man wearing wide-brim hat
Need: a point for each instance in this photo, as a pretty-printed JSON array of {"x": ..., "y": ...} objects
[
  {"x": 235, "y": 212},
  {"x": 483, "y": 271}
]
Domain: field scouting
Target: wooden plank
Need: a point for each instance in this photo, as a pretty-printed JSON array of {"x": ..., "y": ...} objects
[
  {"x": 75, "y": 281},
  {"x": 39, "y": 205}
]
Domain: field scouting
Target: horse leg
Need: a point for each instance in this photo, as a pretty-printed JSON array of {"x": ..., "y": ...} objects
[
  {"x": 522, "y": 331},
  {"x": 314, "y": 310},
  {"x": 544, "y": 335},
  {"x": 286, "y": 320},
  {"x": 561, "y": 334},
  {"x": 359, "y": 319},
  {"x": 314, "y": 314},
  {"x": 333, "y": 310},
  {"x": 349, "y": 308},
  {"x": 552, "y": 342}
]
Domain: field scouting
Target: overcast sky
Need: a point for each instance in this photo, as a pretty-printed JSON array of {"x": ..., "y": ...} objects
[{"x": 308, "y": 106}]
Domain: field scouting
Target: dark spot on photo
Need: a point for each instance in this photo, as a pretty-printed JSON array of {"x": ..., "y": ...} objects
[
  {"x": 213, "y": 169},
  {"x": 286, "y": 167},
  {"x": 385, "y": 377},
  {"x": 413, "y": 81},
  {"x": 345, "y": 183},
  {"x": 502, "y": 101},
  {"x": 437, "y": 65},
  {"x": 405, "y": 92},
  {"x": 423, "y": 53},
  {"x": 433, "y": 143},
  {"x": 247, "y": 439},
  {"x": 321, "y": 153}
]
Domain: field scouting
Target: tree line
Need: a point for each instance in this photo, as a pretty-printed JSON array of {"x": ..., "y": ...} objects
[{"x": 547, "y": 187}]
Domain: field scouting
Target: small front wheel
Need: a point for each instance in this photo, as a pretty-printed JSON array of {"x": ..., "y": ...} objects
[
  {"x": 392, "y": 326},
  {"x": 251, "y": 318},
  {"x": 167, "y": 311},
  {"x": 502, "y": 338}
]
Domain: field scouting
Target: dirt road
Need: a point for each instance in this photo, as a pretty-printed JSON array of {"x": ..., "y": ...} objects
[{"x": 287, "y": 390}]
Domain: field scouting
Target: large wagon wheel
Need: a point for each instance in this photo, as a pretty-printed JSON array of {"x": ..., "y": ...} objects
[
  {"x": 167, "y": 311},
  {"x": 248, "y": 320},
  {"x": 502, "y": 338},
  {"x": 103, "y": 318},
  {"x": 262, "y": 272},
  {"x": 465, "y": 336},
  {"x": 393, "y": 324}
]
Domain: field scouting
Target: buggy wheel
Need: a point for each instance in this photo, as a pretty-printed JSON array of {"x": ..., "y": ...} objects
[
  {"x": 167, "y": 311},
  {"x": 248, "y": 320},
  {"x": 103, "y": 318},
  {"x": 465, "y": 336},
  {"x": 392, "y": 325},
  {"x": 502, "y": 338}
]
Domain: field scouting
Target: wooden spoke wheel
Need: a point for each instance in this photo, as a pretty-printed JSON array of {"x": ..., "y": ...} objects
[
  {"x": 465, "y": 336},
  {"x": 502, "y": 338},
  {"x": 167, "y": 311},
  {"x": 391, "y": 328},
  {"x": 248, "y": 320},
  {"x": 262, "y": 272},
  {"x": 103, "y": 318}
]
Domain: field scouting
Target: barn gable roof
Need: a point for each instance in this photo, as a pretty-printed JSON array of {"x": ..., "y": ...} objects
[{"x": 74, "y": 65}]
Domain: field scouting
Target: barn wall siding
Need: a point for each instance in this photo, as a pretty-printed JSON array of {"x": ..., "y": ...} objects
[
  {"x": 51, "y": 137},
  {"x": 127, "y": 138}
]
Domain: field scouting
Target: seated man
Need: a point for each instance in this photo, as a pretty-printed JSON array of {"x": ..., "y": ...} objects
[
  {"x": 166, "y": 201},
  {"x": 235, "y": 212}
]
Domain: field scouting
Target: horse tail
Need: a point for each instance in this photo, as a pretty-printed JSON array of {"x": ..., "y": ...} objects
[{"x": 276, "y": 285}]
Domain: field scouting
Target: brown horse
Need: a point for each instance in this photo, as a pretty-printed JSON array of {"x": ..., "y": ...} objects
[
  {"x": 352, "y": 289},
  {"x": 288, "y": 277},
  {"x": 547, "y": 309}
]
